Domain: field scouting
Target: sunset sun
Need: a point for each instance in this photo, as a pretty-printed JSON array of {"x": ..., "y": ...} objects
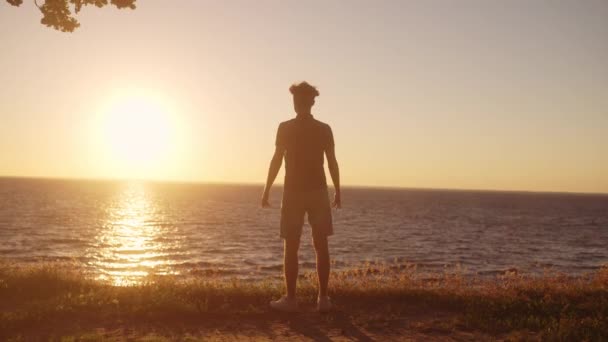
[{"x": 137, "y": 134}]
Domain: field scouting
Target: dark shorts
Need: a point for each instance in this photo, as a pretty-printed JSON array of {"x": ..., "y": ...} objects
[{"x": 294, "y": 207}]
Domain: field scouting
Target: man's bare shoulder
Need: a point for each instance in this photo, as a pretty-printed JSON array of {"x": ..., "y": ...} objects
[
  {"x": 323, "y": 124},
  {"x": 294, "y": 121},
  {"x": 287, "y": 123}
]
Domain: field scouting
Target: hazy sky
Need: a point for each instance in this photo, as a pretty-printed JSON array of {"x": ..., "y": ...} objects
[{"x": 442, "y": 94}]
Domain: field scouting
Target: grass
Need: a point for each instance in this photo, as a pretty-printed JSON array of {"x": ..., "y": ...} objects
[{"x": 49, "y": 300}]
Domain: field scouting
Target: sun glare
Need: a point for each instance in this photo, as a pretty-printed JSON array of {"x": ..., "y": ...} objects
[{"x": 138, "y": 134}]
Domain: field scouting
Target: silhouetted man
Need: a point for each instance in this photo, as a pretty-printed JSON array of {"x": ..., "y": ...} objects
[{"x": 304, "y": 142}]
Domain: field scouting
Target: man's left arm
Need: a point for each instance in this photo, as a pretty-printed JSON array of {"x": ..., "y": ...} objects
[
  {"x": 273, "y": 171},
  {"x": 275, "y": 163}
]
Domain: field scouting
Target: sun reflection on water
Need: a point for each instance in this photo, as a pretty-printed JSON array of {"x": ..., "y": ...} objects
[{"x": 130, "y": 245}]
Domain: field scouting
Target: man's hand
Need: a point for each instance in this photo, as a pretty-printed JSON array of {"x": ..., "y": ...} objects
[
  {"x": 265, "y": 203},
  {"x": 337, "y": 203}
]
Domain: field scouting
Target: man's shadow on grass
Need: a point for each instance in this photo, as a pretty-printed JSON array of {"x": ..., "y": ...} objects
[{"x": 310, "y": 324}]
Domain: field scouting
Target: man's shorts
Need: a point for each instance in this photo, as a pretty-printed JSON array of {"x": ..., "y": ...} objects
[{"x": 296, "y": 204}]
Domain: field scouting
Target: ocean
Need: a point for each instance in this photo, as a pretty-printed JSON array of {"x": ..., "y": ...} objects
[{"x": 124, "y": 231}]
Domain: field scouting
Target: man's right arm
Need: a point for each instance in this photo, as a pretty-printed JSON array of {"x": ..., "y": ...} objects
[{"x": 334, "y": 171}]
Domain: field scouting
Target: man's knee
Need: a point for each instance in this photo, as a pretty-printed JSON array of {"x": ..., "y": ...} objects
[
  {"x": 292, "y": 246},
  {"x": 321, "y": 244}
]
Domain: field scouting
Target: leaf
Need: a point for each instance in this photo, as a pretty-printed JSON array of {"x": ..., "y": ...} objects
[
  {"x": 124, "y": 3},
  {"x": 57, "y": 14},
  {"x": 15, "y": 2}
]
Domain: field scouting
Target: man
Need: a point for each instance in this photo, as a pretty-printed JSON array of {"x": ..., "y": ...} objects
[{"x": 304, "y": 142}]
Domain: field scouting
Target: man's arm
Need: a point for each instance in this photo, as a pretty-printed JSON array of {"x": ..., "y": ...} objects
[
  {"x": 334, "y": 171},
  {"x": 273, "y": 170}
]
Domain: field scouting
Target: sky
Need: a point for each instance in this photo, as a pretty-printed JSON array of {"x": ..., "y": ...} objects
[{"x": 499, "y": 95}]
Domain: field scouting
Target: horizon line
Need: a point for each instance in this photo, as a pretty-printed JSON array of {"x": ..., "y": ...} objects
[{"x": 261, "y": 184}]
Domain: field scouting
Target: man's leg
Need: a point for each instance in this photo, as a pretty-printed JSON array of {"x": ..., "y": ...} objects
[
  {"x": 288, "y": 302},
  {"x": 322, "y": 250},
  {"x": 319, "y": 217},
  {"x": 290, "y": 265}
]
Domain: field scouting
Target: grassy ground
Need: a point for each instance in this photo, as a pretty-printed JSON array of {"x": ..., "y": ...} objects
[{"x": 48, "y": 301}]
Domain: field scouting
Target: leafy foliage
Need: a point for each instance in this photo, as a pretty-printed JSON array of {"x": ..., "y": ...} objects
[{"x": 57, "y": 13}]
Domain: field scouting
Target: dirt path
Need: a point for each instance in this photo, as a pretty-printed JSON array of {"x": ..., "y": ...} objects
[{"x": 416, "y": 324}]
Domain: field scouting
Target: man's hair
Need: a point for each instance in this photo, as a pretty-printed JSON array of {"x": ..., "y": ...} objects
[{"x": 303, "y": 89}]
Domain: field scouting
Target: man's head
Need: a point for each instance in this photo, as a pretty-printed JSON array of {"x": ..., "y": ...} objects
[{"x": 303, "y": 97}]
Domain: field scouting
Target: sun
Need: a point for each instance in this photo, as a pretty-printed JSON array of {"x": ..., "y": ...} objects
[{"x": 138, "y": 134}]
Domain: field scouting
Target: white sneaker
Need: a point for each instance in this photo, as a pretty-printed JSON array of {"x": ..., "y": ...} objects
[
  {"x": 323, "y": 304},
  {"x": 284, "y": 304}
]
